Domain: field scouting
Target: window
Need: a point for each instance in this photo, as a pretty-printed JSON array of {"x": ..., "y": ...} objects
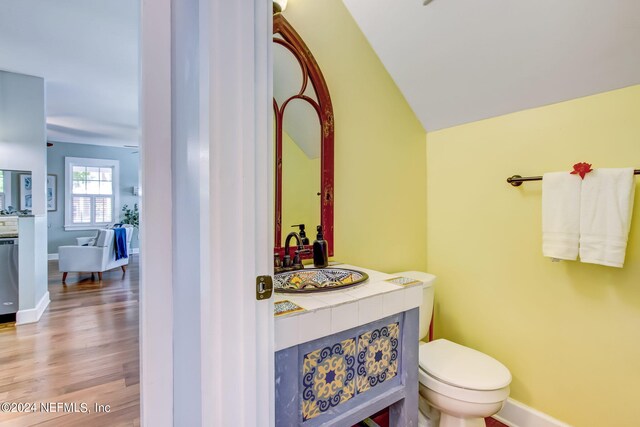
[{"x": 91, "y": 192}]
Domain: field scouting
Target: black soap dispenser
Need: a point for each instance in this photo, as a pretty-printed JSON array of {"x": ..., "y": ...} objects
[
  {"x": 320, "y": 250},
  {"x": 302, "y": 233}
]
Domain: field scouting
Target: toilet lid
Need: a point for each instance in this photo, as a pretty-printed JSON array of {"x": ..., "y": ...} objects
[{"x": 463, "y": 367}]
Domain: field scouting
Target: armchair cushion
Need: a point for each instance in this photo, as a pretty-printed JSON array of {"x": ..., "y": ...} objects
[{"x": 87, "y": 241}]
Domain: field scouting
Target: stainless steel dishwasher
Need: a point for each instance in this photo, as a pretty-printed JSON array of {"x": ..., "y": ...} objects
[{"x": 8, "y": 275}]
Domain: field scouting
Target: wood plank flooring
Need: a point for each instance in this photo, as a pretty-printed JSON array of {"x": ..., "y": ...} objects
[{"x": 83, "y": 350}]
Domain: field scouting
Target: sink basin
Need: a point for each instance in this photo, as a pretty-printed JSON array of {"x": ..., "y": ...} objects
[{"x": 317, "y": 280}]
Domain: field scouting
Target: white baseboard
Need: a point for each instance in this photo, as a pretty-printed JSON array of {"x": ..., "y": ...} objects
[
  {"x": 516, "y": 414},
  {"x": 53, "y": 257},
  {"x": 33, "y": 315}
]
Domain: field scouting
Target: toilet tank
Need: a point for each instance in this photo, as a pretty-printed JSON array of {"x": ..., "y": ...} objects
[{"x": 426, "y": 308}]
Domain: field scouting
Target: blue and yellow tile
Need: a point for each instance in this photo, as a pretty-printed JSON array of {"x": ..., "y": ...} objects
[
  {"x": 328, "y": 378},
  {"x": 403, "y": 281},
  {"x": 285, "y": 307},
  {"x": 377, "y": 356}
]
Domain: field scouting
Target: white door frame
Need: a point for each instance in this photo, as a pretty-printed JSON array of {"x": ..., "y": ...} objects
[
  {"x": 233, "y": 213},
  {"x": 156, "y": 225}
]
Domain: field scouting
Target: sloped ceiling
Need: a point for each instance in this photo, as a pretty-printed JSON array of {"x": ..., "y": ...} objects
[
  {"x": 458, "y": 61},
  {"x": 87, "y": 52}
]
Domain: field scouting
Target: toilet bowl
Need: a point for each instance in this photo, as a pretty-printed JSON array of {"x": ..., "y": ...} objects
[
  {"x": 465, "y": 385},
  {"x": 459, "y": 386}
]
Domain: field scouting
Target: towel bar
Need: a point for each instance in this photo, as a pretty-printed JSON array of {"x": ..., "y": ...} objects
[{"x": 517, "y": 180}]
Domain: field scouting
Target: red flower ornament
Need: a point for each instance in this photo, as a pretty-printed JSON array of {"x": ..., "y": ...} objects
[{"x": 581, "y": 169}]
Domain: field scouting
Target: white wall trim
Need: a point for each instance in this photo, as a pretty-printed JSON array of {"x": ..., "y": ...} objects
[
  {"x": 516, "y": 414},
  {"x": 34, "y": 314}
]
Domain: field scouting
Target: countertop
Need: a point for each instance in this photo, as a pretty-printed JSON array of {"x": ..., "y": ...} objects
[{"x": 327, "y": 313}]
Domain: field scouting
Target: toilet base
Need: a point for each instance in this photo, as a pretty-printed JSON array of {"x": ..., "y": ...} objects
[{"x": 453, "y": 412}]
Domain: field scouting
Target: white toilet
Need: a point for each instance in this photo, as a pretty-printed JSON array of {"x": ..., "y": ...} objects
[{"x": 463, "y": 385}]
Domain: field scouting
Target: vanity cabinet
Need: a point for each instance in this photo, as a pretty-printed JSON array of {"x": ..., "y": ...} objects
[{"x": 349, "y": 373}]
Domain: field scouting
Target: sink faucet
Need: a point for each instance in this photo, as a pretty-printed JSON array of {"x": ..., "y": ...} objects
[
  {"x": 286, "y": 263},
  {"x": 296, "y": 264}
]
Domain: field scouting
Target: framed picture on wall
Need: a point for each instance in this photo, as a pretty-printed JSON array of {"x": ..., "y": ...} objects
[
  {"x": 25, "y": 192},
  {"x": 26, "y": 199},
  {"x": 52, "y": 192}
]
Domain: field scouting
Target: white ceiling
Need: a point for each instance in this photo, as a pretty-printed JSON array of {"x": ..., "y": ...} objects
[
  {"x": 455, "y": 61},
  {"x": 87, "y": 52},
  {"x": 458, "y": 61}
]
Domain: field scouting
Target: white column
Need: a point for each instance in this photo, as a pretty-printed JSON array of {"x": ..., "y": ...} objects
[{"x": 238, "y": 330}]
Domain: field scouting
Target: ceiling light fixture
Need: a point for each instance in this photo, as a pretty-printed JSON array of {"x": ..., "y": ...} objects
[
  {"x": 426, "y": 2},
  {"x": 279, "y": 6}
]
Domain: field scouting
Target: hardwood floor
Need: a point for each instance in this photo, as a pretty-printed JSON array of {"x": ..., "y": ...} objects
[{"x": 83, "y": 350}]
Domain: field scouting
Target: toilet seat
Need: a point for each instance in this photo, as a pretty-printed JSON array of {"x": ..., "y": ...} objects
[
  {"x": 463, "y": 394},
  {"x": 462, "y": 373}
]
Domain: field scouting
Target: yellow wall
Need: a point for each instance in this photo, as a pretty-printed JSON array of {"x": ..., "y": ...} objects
[
  {"x": 301, "y": 183},
  {"x": 569, "y": 332},
  {"x": 380, "y": 203}
]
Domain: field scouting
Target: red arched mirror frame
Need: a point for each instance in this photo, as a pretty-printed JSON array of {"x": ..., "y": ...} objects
[{"x": 292, "y": 41}]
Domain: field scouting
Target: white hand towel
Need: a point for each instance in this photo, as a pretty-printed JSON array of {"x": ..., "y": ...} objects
[
  {"x": 605, "y": 215},
  {"x": 560, "y": 215}
]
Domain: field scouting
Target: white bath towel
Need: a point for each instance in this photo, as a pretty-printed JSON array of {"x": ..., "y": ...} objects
[
  {"x": 560, "y": 215},
  {"x": 605, "y": 215}
]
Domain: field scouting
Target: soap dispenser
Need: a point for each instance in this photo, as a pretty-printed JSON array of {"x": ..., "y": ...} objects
[
  {"x": 320, "y": 250},
  {"x": 302, "y": 233}
]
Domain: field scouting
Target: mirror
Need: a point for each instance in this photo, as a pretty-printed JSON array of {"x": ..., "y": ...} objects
[
  {"x": 10, "y": 192},
  {"x": 303, "y": 134}
]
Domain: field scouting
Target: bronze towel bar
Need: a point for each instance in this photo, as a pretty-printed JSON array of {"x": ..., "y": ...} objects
[{"x": 517, "y": 180}]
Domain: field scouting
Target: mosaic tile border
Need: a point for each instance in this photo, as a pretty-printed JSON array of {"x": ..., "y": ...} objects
[
  {"x": 285, "y": 307},
  {"x": 403, "y": 281}
]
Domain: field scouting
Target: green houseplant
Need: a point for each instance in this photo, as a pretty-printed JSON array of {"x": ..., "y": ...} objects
[{"x": 131, "y": 216}]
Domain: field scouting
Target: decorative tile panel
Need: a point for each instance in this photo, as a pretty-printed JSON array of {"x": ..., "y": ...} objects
[
  {"x": 328, "y": 378},
  {"x": 285, "y": 307},
  {"x": 403, "y": 281},
  {"x": 377, "y": 356}
]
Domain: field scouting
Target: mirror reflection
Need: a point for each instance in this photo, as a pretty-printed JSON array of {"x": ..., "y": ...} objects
[
  {"x": 301, "y": 143},
  {"x": 10, "y": 191}
]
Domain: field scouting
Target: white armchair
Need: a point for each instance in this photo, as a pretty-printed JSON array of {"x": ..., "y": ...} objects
[{"x": 94, "y": 259}]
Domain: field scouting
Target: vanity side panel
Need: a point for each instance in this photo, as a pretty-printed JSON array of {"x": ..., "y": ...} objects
[
  {"x": 287, "y": 396},
  {"x": 404, "y": 413}
]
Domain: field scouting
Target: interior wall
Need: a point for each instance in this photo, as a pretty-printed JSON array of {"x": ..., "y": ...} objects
[
  {"x": 22, "y": 147},
  {"x": 129, "y": 171},
  {"x": 380, "y": 205},
  {"x": 567, "y": 331}
]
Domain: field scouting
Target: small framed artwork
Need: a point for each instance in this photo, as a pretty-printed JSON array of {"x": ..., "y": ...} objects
[
  {"x": 52, "y": 192},
  {"x": 25, "y": 192},
  {"x": 26, "y": 188}
]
